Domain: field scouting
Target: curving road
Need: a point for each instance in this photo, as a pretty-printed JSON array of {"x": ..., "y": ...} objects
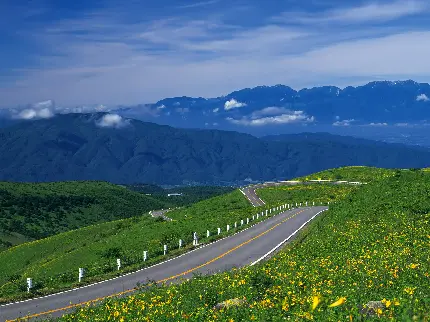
[
  {"x": 241, "y": 249},
  {"x": 251, "y": 195}
]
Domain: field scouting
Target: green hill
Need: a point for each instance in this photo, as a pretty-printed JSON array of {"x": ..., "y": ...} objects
[
  {"x": 53, "y": 261},
  {"x": 32, "y": 211},
  {"x": 373, "y": 245}
]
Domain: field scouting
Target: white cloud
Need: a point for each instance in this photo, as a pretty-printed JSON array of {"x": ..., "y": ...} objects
[
  {"x": 269, "y": 111},
  {"x": 286, "y": 118},
  {"x": 113, "y": 120},
  {"x": 377, "y": 124},
  {"x": 401, "y": 124},
  {"x": 423, "y": 97},
  {"x": 215, "y": 110},
  {"x": 343, "y": 122},
  {"x": 233, "y": 104},
  {"x": 369, "y": 12},
  {"x": 40, "y": 110},
  {"x": 162, "y": 106}
]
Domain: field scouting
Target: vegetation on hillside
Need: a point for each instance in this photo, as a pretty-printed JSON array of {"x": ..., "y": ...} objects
[
  {"x": 189, "y": 195},
  {"x": 353, "y": 173},
  {"x": 373, "y": 245},
  {"x": 53, "y": 262},
  {"x": 37, "y": 210},
  {"x": 318, "y": 192}
]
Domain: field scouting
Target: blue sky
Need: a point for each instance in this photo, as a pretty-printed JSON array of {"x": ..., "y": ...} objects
[{"x": 128, "y": 52}]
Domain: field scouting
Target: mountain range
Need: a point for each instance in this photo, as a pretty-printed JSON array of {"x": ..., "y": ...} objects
[
  {"x": 390, "y": 111},
  {"x": 100, "y": 146}
]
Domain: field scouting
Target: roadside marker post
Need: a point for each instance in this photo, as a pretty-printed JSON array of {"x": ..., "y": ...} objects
[
  {"x": 247, "y": 221},
  {"x": 266, "y": 212},
  {"x": 145, "y": 255},
  {"x": 118, "y": 263},
  {"x": 228, "y": 227},
  {"x": 258, "y": 215},
  {"x": 313, "y": 203},
  {"x": 81, "y": 274},
  {"x": 235, "y": 224},
  {"x": 306, "y": 203},
  {"x": 252, "y": 217},
  {"x": 208, "y": 233},
  {"x": 29, "y": 284},
  {"x": 219, "y": 231},
  {"x": 165, "y": 250},
  {"x": 241, "y": 222},
  {"x": 180, "y": 243}
]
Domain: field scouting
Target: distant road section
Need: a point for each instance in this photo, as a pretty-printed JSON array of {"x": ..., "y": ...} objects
[
  {"x": 250, "y": 194},
  {"x": 160, "y": 213}
]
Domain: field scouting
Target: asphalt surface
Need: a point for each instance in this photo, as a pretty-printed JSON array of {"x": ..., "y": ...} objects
[
  {"x": 161, "y": 213},
  {"x": 238, "y": 250},
  {"x": 250, "y": 194}
]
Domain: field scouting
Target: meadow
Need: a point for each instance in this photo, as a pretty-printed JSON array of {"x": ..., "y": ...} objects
[{"x": 373, "y": 245}]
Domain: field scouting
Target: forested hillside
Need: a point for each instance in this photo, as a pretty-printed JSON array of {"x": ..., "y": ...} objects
[{"x": 33, "y": 211}]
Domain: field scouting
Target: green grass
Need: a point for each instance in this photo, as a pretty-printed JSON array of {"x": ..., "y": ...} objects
[
  {"x": 301, "y": 193},
  {"x": 373, "y": 245},
  {"x": 37, "y": 210},
  {"x": 352, "y": 173},
  {"x": 189, "y": 195}
]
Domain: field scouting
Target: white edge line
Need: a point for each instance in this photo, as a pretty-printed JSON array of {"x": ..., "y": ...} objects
[
  {"x": 142, "y": 269},
  {"x": 285, "y": 240}
]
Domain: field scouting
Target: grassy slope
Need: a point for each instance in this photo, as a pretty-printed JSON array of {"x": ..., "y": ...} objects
[
  {"x": 373, "y": 245},
  {"x": 33, "y": 211},
  {"x": 189, "y": 195},
  {"x": 301, "y": 193},
  {"x": 353, "y": 173},
  {"x": 96, "y": 247}
]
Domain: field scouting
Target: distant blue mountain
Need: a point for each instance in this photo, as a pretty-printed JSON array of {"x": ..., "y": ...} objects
[{"x": 375, "y": 102}]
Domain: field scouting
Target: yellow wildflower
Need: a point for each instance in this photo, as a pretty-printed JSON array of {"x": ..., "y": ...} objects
[
  {"x": 338, "y": 302},
  {"x": 316, "y": 300}
]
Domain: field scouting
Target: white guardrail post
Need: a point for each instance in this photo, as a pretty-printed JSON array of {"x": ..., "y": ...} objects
[
  {"x": 180, "y": 243},
  {"x": 118, "y": 263},
  {"x": 208, "y": 233},
  {"x": 81, "y": 274},
  {"x": 165, "y": 250},
  {"x": 219, "y": 230},
  {"x": 145, "y": 255},
  {"x": 29, "y": 284}
]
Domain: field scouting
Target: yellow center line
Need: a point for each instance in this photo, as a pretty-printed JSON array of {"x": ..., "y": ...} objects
[{"x": 160, "y": 281}]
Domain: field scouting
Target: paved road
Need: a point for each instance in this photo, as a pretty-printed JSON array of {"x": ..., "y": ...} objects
[
  {"x": 238, "y": 250},
  {"x": 249, "y": 193},
  {"x": 160, "y": 213}
]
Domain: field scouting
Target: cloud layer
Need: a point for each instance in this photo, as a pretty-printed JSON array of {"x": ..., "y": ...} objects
[
  {"x": 423, "y": 98},
  {"x": 113, "y": 121},
  {"x": 231, "y": 104},
  {"x": 278, "y": 116}
]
